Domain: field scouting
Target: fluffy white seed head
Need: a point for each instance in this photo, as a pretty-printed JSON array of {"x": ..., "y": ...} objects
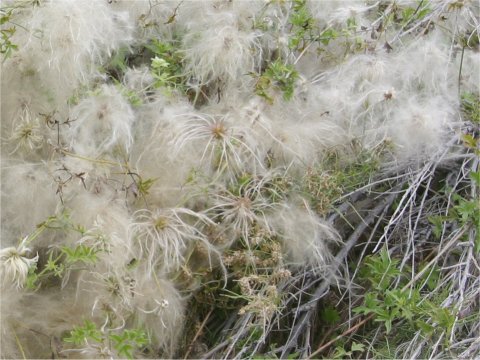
[
  {"x": 163, "y": 235},
  {"x": 223, "y": 145},
  {"x": 100, "y": 123},
  {"x": 419, "y": 128},
  {"x": 244, "y": 209},
  {"x": 160, "y": 310},
  {"x": 28, "y": 198},
  {"x": 60, "y": 44},
  {"x": 219, "y": 52},
  {"x": 305, "y": 237},
  {"x": 15, "y": 264},
  {"x": 26, "y": 137}
]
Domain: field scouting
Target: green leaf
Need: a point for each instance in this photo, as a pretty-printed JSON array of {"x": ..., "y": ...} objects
[
  {"x": 381, "y": 270},
  {"x": 81, "y": 253},
  {"x": 469, "y": 141},
  {"x": 158, "y": 63},
  {"x": 166, "y": 65},
  {"x": 328, "y": 35},
  {"x": 371, "y": 304},
  {"x": 127, "y": 341},
  {"x": 471, "y": 106},
  {"x": 432, "y": 276},
  {"x": 330, "y": 315},
  {"x": 130, "y": 94},
  {"x": 475, "y": 176},
  {"x": 437, "y": 221},
  {"x": 424, "y": 327},
  {"x": 279, "y": 76},
  {"x": 81, "y": 334},
  {"x": 357, "y": 347},
  {"x": 468, "y": 210},
  {"x": 407, "y": 14},
  {"x": 145, "y": 185},
  {"x": 341, "y": 353},
  {"x": 32, "y": 278},
  {"x": 387, "y": 318},
  {"x": 4, "y": 19}
]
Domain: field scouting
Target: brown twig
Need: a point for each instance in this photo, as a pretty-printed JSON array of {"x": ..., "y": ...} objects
[
  {"x": 345, "y": 333},
  {"x": 197, "y": 334}
]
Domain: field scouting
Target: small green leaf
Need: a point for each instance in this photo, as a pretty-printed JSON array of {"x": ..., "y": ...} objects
[
  {"x": 469, "y": 141},
  {"x": 127, "y": 341},
  {"x": 475, "y": 176},
  {"x": 437, "y": 221},
  {"x": 341, "y": 353},
  {"x": 81, "y": 334},
  {"x": 328, "y": 35},
  {"x": 278, "y": 76},
  {"x": 330, "y": 315},
  {"x": 357, "y": 347},
  {"x": 80, "y": 253},
  {"x": 4, "y": 19},
  {"x": 424, "y": 327},
  {"x": 468, "y": 210}
]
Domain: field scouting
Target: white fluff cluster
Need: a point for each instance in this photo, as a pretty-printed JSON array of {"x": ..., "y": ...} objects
[
  {"x": 154, "y": 180},
  {"x": 62, "y": 44},
  {"x": 101, "y": 123},
  {"x": 233, "y": 49}
]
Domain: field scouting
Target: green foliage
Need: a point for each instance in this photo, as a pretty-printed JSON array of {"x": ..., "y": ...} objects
[
  {"x": 302, "y": 24},
  {"x": 53, "y": 266},
  {"x": 328, "y": 35},
  {"x": 6, "y": 33},
  {"x": 118, "y": 62},
  {"x": 437, "y": 221},
  {"x": 471, "y": 143},
  {"x": 125, "y": 342},
  {"x": 80, "y": 253},
  {"x": 58, "y": 263},
  {"x": 465, "y": 212},
  {"x": 413, "y": 14},
  {"x": 329, "y": 315},
  {"x": 64, "y": 259},
  {"x": 381, "y": 269},
  {"x": 255, "y": 333},
  {"x": 323, "y": 185},
  {"x": 31, "y": 281},
  {"x": 82, "y": 334},
  {"x": 471, "y": 107},
  {"x": 475, "y": 176},
  {"x": 390, "y": 304},
  {"x": 145, "y": 185},
  {"x": 277, "y": 77},
  {"x": 78, "y": 94},
  {"x": 129, "y": 94},
  {"x": 59, "y": 222},
  {"x": 355, "y": 349},
  {"x": 359, "y": 169},
  {"x": 166, "y": 66}
]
